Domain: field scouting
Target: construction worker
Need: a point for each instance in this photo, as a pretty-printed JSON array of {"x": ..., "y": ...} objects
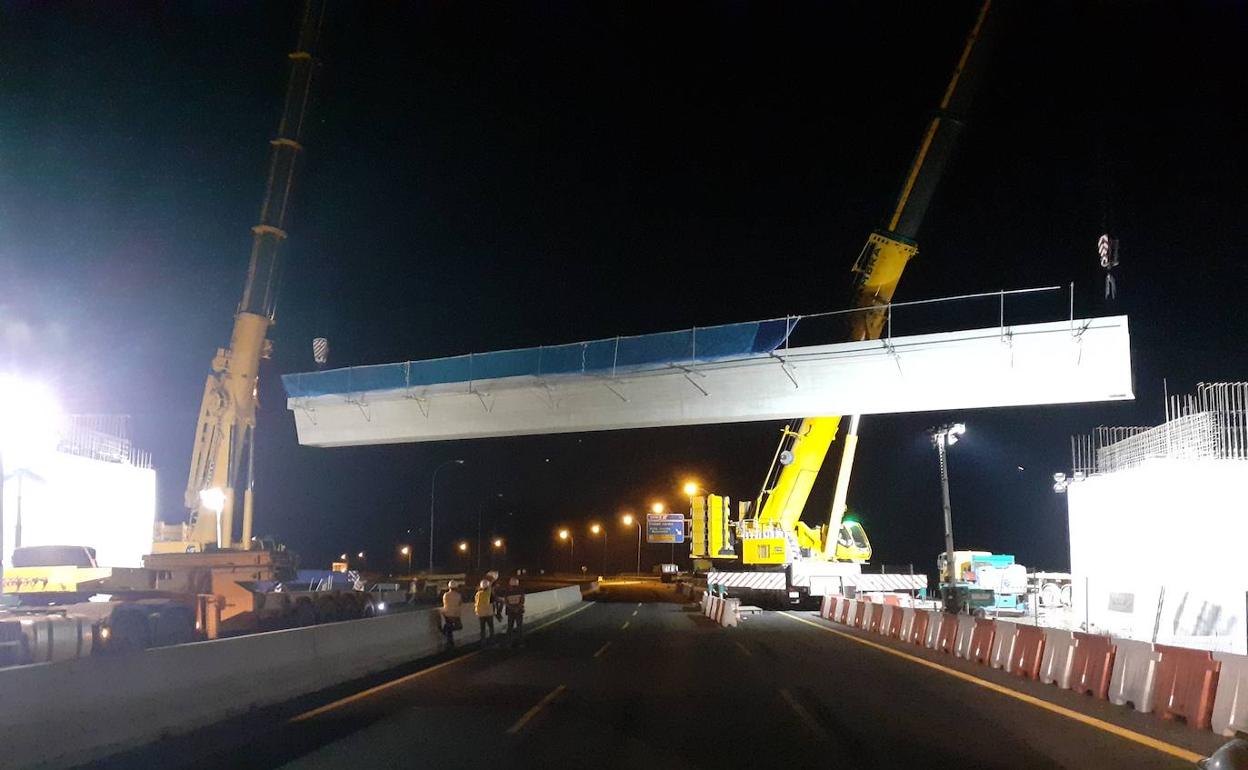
[
  {"x": 515, "y": 612},
  {"x": 496, "y": 594},
  {"x": 452, "y": 602},
  {"x": 483, "y": 606}
]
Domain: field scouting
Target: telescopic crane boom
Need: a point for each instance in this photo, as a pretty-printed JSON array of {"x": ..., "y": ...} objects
[
  {"x": 877, "y": 271},
  {"x": 222, "y": 459}
]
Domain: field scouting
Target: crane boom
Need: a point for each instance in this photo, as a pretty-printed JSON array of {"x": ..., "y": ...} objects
[
  {"x": 222, "y": 457},
  {"x": 877, "y": 271}
]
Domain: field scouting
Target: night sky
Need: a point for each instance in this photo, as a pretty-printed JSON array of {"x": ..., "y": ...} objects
[{"x": 483, "y": 176}]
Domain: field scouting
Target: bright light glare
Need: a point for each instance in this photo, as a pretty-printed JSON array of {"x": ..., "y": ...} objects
[
  {"x": 691, "y": 488},
  {"x": 360, "y": 554},
  {"x": 381, "y": 606},
  {"x": 342, "y": 557},
  {"x": 658, "y": 507},
  {"x": 30, "y": 420},
  {"x": 628, "y": 519},
  {"x": 405, "y": 550},
  {"x": 498, "y": 542},
  {"x": 955, "y": 430},
  {"x": 213, "y": 499},
  {"x": 563, "y": 534},
  {"x": 463, "y": 546},
  {"x": 595, "y": 528}
]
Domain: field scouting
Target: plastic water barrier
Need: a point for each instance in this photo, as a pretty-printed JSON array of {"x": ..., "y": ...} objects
[{"x": 613, "y": 355}]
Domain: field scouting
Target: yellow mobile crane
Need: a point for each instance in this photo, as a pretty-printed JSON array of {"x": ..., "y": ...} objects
[
  {"x": 770, "y": 533},
  {"x": 222, "y": 459}
]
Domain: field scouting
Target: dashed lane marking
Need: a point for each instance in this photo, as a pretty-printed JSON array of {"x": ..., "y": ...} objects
[
  {"x": 804, "y": 715},
  {"x": 742, "y": 648},
  {"x": 541, "y": 704},
  {"x": 601, "y": 650},
  {"x": 1100, "y": 724},
  {"x": 625, "y": 625}
]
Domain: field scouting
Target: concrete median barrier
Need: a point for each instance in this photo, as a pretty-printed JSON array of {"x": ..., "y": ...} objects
[
  {"x": 103, "y": 705},
  {"x": 1134, "y": 677}
]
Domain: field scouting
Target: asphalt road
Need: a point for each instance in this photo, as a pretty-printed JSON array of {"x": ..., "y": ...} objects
[{"x": 637, "y": 679}]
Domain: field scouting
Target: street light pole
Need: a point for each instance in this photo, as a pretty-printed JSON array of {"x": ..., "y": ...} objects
[
  {"x": 943, "y": 438},
  {"x": 433, "y": 488}
]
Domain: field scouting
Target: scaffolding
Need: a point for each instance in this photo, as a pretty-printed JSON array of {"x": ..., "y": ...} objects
[
  {"x": 1210, "y": 424},
  {"x": 103, "y": 437}
]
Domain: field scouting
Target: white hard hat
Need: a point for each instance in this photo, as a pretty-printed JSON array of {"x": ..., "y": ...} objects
[
  {"x": 451, "y": 584},
  {"x": 485, "y": 584}
]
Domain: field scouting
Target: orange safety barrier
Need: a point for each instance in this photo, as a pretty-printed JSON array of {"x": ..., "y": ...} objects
[
  {"x": 892, "y": 599},
  {"x": 918, "y": 631},
  {"x": 1028, "y": 652},
  {"x": 846, "y": 606},
  {"x": 981, "y": 641},
  {"x": 948, "y": 633},
  {"x": 877, "y": 615},
  {"x": 864, "y": 609},
  {"x": 1092, "y": 665},
  {"x": 1187, "y": 680},
  {"x": 894, "y": 623},
  {"x": 830, "y": 607}
]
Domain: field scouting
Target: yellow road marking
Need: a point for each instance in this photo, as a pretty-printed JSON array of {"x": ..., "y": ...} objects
[
  {"x": 602, "y": 649},
  {"x": 1100, "y": 724},
  {"x": 625, "y": 625},
  {"x": 416, "y": 675},
  {"x": 541, "y": 704},
  {"x": 742, "y": 648},
  {"x": 804, "y": 715}
]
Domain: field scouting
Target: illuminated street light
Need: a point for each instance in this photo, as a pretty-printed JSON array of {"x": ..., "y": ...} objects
[
  {"x": 629, "y": 519},
  {"x": 463, "y": 547},
  {"x": 360, "y": 554},
  {"x": 342, "y": 557},
  {"x": 692, "y": 488},
  {"x": 407, "y": 551},
  {"x": 498, "y": 542},
  {"x": 565, "y": 534},
  {"x": 598, "y": 529},
  {"x": 943, "y": 438},
  {"x": 658, "y": 507}
]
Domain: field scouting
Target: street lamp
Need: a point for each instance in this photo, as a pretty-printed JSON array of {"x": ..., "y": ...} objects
[
  {"x": 480, "y": 512},
  {"x": 943, "y": 438},
  {"x": 360, "y": 554},
  {"x": 433, "y": 488},
  {"x": 407, "y": 551},
  {"x": 497, "y": 544},
  {"x": 566, "y": 535},
  {"x": 658, "y": 507},
  {"x": 598, "y": 529},
  {"x": 629, "y": 519},
  {"x": 692, "y": 488}
]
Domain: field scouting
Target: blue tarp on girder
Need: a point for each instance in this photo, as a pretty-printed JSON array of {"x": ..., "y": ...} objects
[{"x": 709, "y": 343}]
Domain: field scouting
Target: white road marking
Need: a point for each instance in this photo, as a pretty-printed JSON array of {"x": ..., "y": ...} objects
[
  {"x": 742, "y": 648},
  {"x": 624, "y": 626},
  {"x": 541, "y": 704},
  {"x": 602, "y": 649},
  {"x": 804, "y": 715}
]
